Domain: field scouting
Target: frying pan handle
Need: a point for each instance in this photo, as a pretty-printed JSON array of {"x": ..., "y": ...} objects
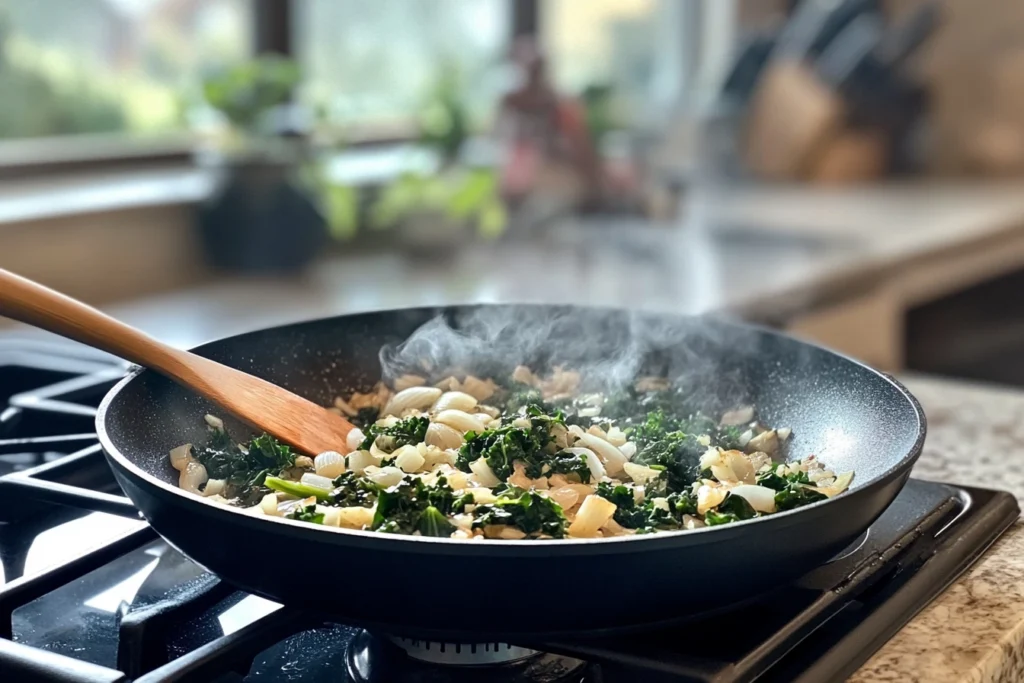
[{"x": 32, "y": 303}]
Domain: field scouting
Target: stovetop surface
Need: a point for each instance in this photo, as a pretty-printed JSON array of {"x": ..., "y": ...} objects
[{"x": 87, "y": 581}]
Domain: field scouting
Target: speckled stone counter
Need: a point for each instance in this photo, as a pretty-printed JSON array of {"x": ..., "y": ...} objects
[{"x": 975, "y": 630}]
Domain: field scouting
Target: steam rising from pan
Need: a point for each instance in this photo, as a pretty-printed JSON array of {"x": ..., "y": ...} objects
[{"x": 610, "y": 348}]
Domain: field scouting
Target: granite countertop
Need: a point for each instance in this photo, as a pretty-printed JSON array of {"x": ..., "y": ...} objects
[{"x": 974, "y": 631}]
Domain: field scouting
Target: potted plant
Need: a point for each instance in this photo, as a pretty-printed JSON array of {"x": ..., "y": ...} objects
[
  {"x": 260, "y": 219},
  {"x": 437, "y": 211}
]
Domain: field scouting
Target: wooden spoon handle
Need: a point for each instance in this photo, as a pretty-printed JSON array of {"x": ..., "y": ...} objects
[{"x": 31, "y": 303}]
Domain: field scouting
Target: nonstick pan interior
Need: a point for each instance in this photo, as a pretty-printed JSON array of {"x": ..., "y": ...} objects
[{"x": 851, "y": 417}]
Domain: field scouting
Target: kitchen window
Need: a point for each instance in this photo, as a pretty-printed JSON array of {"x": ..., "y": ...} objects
[
  {"x": 373, "y": 63},
  {"x": 128, "y": 67},
  {"x": 653, "y": 56}
]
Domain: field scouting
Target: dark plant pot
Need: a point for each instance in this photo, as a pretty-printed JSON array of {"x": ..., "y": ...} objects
[
  {"x": 259, "y": 221},
  {"x": 432, "y": 235}
]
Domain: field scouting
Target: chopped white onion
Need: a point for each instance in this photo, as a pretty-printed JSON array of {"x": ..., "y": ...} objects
[
  {"x": 565, "y": 496},
  {"x": 406, "y": 381},
  {"x": 592, "y": 515},
  {"x": 461, "y": 421},
  {"x": 783, "y": 433},
  {"x": 841, "y": 483},
  {"x": 483, "y": 473},
  {"x": 342, "y": 405},
  {"x": 709, "y": 497},
  {"x": 761, "y": 498},
  {"x": 332, "y": 515},
  {"x": 479, "y": 389},
  {"x": 510, "y": 533},
  {"x": 413, "y": 398},
  {"x": 443, "y": 436},
  {"x": 482, "y": 495},
  {"x": 269, "y": 504},
  {"x": 214, "y": 422},
  {"x": 454, "y": 400},
  {"x": 639, "y": 473},
  {"x": 181, "y": 456},
  {"x": 712, "y": 456},
  {"x": 766, "y": 442},
  {"x": 358, "y": 461},
  {"x": 409, "y": 459},
  {"x": 214, "y": 487},
  {"x": 628, "y": 450},
  {"x": 317, "y": 481},
  {"x": 597, "y": 471},
  {"x": 192, "y": 477},
  {"x": 384, "y": 476},
  {"x": 355, "y": 517},
  {"x": 376, "y": 451},
  {"x": 611, "y": 456},
  {"x": 354, "y": 439},
  {"x": 330, "y": 464}
]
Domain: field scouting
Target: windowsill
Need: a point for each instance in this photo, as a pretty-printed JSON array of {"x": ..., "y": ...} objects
[
  {"x": 138, "y": 185},
  {"x": 49, "y": 197},
  {"x": 63, "y": 155}
]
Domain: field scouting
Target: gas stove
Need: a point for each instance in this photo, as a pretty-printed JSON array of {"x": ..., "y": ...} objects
[{"x": 89, "y": 592}]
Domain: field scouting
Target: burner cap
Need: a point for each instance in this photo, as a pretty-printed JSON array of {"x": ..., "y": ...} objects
[
  {"x": 372, "y": 659},
  {"x": 463, "y": 654}
]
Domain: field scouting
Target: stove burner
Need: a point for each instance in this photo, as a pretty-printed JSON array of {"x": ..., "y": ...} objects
[
  {"x": 463, "y": 654},
  {"x": 374, "y": 659}
]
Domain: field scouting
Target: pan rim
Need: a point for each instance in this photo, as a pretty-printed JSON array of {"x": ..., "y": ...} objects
[{"x": 396, "y": 541}]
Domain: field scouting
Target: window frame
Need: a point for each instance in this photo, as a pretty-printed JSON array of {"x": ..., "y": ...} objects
[{"x": 271, "y": 31}]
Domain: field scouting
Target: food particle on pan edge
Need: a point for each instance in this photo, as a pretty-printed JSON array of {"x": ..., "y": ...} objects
[{"x": 534, "y": 458}]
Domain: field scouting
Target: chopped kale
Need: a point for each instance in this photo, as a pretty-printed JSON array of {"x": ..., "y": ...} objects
[
  {"x": 306, "y": 513},
  {"x": 647, "y": 517},
  {"x": 527, "y": 511},
  {"x": 772, "y": 480},
  {"x": 366, "y": 417},
  {"x": 792, "y": 491},
  {"x": 502, "y": 446},
  {"x": 732, "y": 509},
  {"x": 219, "y": 440},
  {"x": 400, "y": 508},
  {"x": 244, "y": 469},
  {"x": 351, "y": 490},
  {"x": 797, "y": 495},
  {"x": 568, "y": 464},
  {"x": 661, "y": 441},
  {"x": 627, "y": 513},
  {"x": 434, "y": 523},
  {"x": 410, "y": 431},
  {"x": 522, "y": 395}
]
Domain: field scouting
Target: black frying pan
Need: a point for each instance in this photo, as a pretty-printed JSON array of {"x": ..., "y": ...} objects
[{"x": 852, "y": 417}]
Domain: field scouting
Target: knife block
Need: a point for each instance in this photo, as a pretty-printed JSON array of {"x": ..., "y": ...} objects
[{"x": 792, "y": 116}]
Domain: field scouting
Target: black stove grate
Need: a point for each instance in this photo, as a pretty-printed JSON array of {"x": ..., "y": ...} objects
[
  {"x": 48, "y": 448},
  {"x": 133, "y": 609}
]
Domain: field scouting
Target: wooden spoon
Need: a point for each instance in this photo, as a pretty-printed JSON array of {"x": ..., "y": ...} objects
[{"x": 290, "y": 418}]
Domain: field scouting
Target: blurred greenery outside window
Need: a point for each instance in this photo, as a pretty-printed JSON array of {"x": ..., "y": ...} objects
[
  {"x": 136, "y": 66},
  {"x": 112, "y": 66},
  {"x": 375, "y": 62}
]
